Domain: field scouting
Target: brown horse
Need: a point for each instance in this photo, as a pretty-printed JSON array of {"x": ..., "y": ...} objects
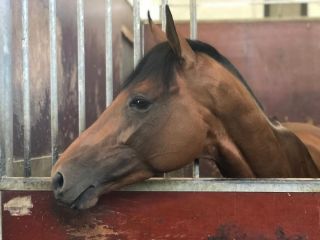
[{"x": 183, "y": 100}]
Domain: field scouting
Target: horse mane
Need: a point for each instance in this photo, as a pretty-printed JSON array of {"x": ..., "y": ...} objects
[{"x": 160, "y": 62}]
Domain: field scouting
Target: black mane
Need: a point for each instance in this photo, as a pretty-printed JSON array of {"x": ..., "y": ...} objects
[{"x": 160, "y": 63}]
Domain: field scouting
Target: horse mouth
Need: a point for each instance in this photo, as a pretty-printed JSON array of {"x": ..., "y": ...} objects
[{"x": 87, "y": 199}]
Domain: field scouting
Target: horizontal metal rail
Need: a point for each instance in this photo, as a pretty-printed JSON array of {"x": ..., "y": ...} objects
[{"x": 181, "y": 185}]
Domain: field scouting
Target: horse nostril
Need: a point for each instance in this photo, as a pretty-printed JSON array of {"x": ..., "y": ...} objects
[{"x": 57, "y": 182}]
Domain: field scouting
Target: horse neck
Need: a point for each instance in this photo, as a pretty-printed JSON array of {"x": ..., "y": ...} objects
[
  {"x": 248, "y": 143},
  {"x": 268, "y": 151}
]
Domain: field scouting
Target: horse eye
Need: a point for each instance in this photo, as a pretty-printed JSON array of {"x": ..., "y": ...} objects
[{"x": 140, "y": 103}]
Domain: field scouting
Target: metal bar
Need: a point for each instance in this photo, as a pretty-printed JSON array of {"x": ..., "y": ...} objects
[
  {"x": 53, "y": 81},
  {"x": 142, "y": 41},
  {"x": 196, "y": 169},
  {"x": 25, "y": 184},
  {"x": 163, "y": 27},
  {"x": 226, "y": 185},
  {"x": 6, "y": 86},
  {"x": 26, "y": 88},
  {"x": 193, "y": 35},
  {"x": 193, "y": 19},
  {"x": 181, "y": 185},
  {"x": 109, "y": 62},
  {"x": 163, "y": 14},
  {"x": 81, "y": 67},
  {"x": 136, "y": 32}
]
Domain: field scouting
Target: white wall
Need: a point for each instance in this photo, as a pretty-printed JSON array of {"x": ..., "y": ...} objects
[
  {"x": 314, "y": 9},
  {"x": 218, "y": 9}
]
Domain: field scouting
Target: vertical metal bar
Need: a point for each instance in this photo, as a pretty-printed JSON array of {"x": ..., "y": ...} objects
[
  {"x": 26, "y": 87},
  {"x": 163, "y": 14},
  {"x": 2, "y": 60},
  {"x": 193, "y": 35},
  {"x": 196, "y": 170},
  {"x": 163, "y": 27},
  {"x": 6, "y": 86},
  {"x": 81, "y": 67},
  {"x": 142, "y": 41},
  {"x": 109, "y": 62},
  {"x": 53, "y": 81},
  {"x": 136, "y": 32},
  {"x": 193, "y": 19}
]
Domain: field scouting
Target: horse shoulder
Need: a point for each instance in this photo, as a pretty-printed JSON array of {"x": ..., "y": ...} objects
[{"x": 310, "y": 136}]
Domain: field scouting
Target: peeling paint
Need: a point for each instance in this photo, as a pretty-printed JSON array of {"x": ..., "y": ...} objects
[
  {"x": 19, "y": 206},
  {"x": 96, "y": 230}
]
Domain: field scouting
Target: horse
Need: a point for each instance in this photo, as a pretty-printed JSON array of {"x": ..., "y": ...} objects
[{"x": 184, "y": 100}]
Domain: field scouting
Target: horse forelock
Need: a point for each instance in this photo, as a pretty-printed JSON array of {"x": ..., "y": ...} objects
[{"x": 157, "y": 65}]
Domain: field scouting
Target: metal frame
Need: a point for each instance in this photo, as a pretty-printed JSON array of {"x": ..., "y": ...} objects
[
  {"x": 181, "y": 185},
  {"x": 31, "y": 183}
]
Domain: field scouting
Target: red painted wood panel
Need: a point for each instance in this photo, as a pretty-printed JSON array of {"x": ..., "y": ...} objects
[{"x": 168, "y": 215}]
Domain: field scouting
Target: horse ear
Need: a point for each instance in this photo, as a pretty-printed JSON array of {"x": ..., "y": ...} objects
[
  {"x": 179, "y": 44},
  {"x": 158, "y": 35}
]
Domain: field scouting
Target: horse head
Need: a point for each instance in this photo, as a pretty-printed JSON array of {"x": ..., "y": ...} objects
[{"x": 154, "y": 125}]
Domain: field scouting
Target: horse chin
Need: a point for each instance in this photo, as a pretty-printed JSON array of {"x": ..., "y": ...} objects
[{"x": 87, "y": 199}]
